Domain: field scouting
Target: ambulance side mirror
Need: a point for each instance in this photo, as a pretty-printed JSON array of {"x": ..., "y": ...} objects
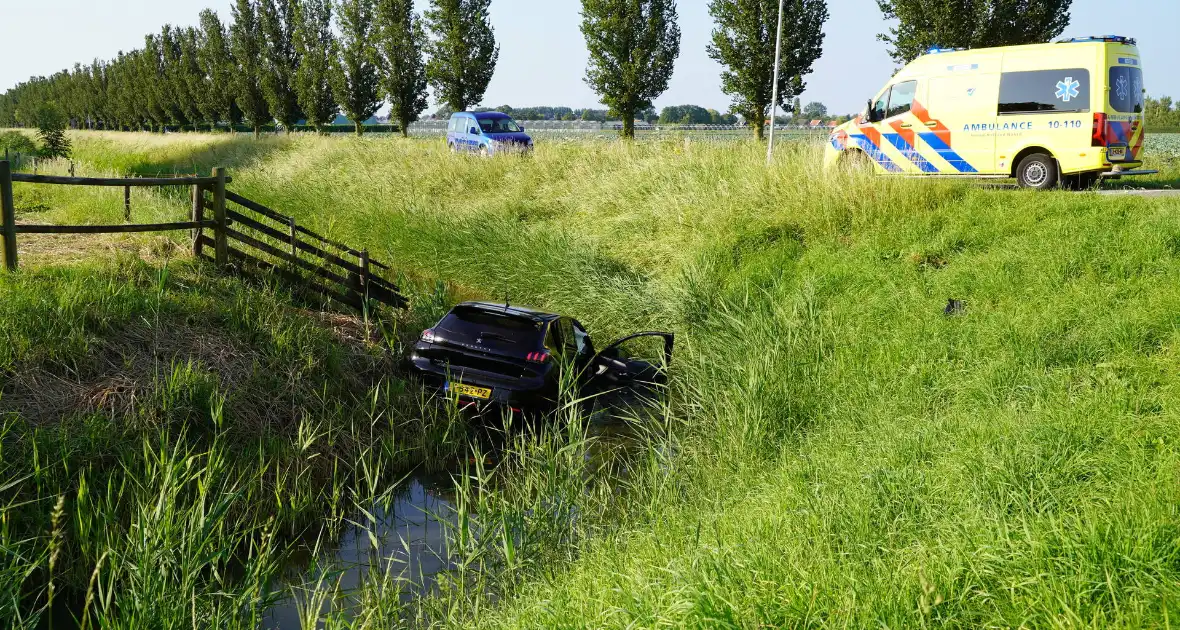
[{"x": 870, "y": 115}]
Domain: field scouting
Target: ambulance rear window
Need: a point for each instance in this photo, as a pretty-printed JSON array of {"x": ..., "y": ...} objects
[
  {"x": 1045, "y": 91},
  {"x": 1126, "y": 89}
]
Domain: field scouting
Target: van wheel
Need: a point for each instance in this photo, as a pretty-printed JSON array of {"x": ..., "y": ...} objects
[
  {"x": 452, "y": 147},
  {"x": 1037, "y": 171},
  {"x": 483, "y": 151}
]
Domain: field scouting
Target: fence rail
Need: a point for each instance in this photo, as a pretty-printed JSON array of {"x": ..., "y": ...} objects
[
  {"x": 262, "y": 238},
  {"x": 119, "y": 182}
]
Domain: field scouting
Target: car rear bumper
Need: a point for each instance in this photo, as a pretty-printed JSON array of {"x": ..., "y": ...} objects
[{"x": 505, "y": 392}]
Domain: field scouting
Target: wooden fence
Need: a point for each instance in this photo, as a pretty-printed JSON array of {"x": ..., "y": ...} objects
[{"x": 248, "y": 236}]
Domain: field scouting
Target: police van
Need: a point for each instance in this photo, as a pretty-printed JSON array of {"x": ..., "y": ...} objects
[{"x": 1055, "y": 114}]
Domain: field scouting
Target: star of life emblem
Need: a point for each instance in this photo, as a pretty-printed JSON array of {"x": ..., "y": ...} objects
[
  {"x": 1122, "y": 88},
  {"x": 1068, "y": 89}
]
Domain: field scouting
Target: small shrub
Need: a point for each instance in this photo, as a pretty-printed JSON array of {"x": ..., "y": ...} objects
[
  {"x": 51, "y": 124},
  {"x": 16, "y": 142}
]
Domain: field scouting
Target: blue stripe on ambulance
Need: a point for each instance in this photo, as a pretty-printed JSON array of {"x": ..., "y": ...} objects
[
  {"x": 874, "y": 152},
  {"x": 1119, "y": 132},
  {"x": 947, "y": 153},
  {"x": 908, "y": 151}
]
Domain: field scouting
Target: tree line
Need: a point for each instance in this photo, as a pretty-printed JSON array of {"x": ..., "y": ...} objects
[
  {"x": 1161, "y": 112},
  {"x": 285, "y": 61},
  {"x": 671, "y": 115},
  {"x": 278, "y": 62}
]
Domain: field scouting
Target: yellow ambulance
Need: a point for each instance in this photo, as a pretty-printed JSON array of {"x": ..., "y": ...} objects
[{"x": 1055, "y": 114}]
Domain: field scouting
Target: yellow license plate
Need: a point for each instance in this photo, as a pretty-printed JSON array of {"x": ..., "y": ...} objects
[
  {"x": 1117, "y": 153},
  {"x": 481, "y": 393}
]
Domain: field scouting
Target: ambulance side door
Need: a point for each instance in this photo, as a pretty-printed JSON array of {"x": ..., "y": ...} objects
[{"x": 960, "y": 123}]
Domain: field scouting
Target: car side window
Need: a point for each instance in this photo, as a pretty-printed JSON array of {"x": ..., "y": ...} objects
[
  {"x": 553, "y": 338},
  {"x": 881, "y": 107},
  {"x": 472, "y": 127},
  {"x": 582, "y": 339},
  {"x": 901, "y": 98},
  {"x": 569, "y": 339}
]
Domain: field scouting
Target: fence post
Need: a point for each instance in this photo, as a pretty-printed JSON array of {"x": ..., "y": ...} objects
[
  {"x": 198, "y": 215},
  {"x": 294, "y": 242},
  {"x": 365, "y": 273},
  {"x": 71, "y": 168},
  {"x": 8, "y": 214},
  {"x": 220, "y": 236},
  {"x": 126, "y": 204}
]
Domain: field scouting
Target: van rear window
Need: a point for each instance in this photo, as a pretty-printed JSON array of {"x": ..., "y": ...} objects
[
  {"x": 1045, "y": 91},
  {"x": 1126, "y": 89}
]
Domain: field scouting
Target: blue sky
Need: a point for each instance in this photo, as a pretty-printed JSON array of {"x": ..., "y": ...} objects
[{"x": 543, "y": 57}]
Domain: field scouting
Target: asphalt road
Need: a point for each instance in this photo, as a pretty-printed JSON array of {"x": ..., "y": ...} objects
[
  {"x": 1137, "y": 192},
  {"x": 1142, "y": 192}
]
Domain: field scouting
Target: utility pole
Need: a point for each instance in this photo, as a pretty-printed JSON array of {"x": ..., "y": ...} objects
[{"x": 778, "y": 55}]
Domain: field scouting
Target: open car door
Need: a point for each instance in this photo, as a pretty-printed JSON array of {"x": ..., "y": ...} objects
[{"x": 632, "y": 360}]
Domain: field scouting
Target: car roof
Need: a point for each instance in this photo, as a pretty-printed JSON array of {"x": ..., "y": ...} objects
[
  {"x": 517, "y": 311},
  {"x": 488, "y": 114}
]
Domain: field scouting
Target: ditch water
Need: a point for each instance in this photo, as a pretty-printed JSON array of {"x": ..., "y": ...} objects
[{"x": 402, "y": 541}]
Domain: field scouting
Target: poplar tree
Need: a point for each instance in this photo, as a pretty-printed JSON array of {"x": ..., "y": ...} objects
[
  {"x": 923, "y": 24},
  {"x": 99, "y": 105},
  {"x": 280, "y": 60},
  {"x": 463, "y": 52},
  {"x": 355, "y": 81},
  {"x": 120, "y": 111},
  {"x": 149, "y": 83},
  {"x": 316, "y": 46},
  {"x": 744, "y": 42},
  {"x": 189, "y": 76},
  {"x": 633, "y": 48},
  {"x": 246, "y": 45},
  {"x": 400, "y": 42},
  {"x": 213, "y": 56},
  {"x": 173, "y": 91},
  {"x": 76, "y": 94}
]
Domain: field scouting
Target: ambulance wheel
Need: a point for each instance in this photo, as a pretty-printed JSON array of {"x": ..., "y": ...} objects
[{"x": 1037, "y": 171}]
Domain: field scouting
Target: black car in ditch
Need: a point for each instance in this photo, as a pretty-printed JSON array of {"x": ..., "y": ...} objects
[{"x": 496, "y": 356}]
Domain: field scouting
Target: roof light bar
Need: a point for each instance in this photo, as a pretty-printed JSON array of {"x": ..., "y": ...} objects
[
  {"x": 1115, "y": 39},
  {"x": 934, "y": 50}
]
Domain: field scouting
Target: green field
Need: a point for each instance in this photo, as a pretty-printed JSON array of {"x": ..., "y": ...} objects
[{"x": 836, "y": 450}]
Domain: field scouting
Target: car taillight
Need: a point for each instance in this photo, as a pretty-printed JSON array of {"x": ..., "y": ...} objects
[
  {"x": 428, "y": 336},
  {"x": 538, "y": 357},
  {"x": 1098, "y": 138}
]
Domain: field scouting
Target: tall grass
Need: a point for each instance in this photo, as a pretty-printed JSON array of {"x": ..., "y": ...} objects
[
  {"x": 166, "y": 435},
  {"x": 836, "y": 450}
]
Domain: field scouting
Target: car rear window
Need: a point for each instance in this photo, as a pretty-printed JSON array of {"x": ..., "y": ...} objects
[
  {"x": 506, "y": 329},
  {"x": 1126, "y": 89}
]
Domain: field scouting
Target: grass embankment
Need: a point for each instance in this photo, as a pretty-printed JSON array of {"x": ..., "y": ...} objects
[
  {"x": 839, "y": 451},
  {"x": 165, "y": 433}
]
